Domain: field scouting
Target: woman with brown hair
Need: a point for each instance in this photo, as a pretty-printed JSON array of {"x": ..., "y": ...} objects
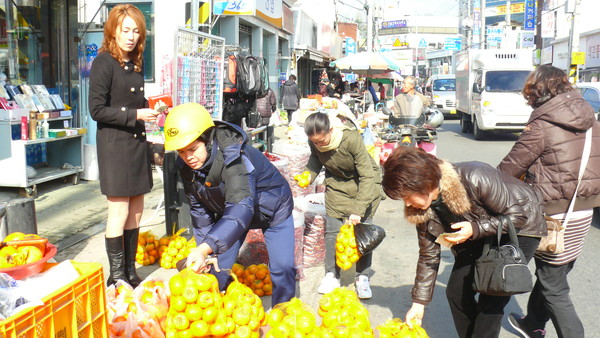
[
  {"x": 548, "y": 156},
  {"x": 118, "y": 105},
  {"x": 461, "y": 204}
]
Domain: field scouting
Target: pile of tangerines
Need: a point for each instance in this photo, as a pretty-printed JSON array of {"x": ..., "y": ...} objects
[
  {"x": 396, "y": 328},
  {"x": 256, "y": 277},
  {"x": 198, "y": 309},
  {"x": 147, "y": 249},
  {"x": 21, "y": 249},
  {"x": 346, "y": 251},
  {"x": 293, "y": 319},
  {"x": 342, "y": 314}
]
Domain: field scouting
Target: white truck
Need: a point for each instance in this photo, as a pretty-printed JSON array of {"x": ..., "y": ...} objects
[{"x": 488, "y": 90}]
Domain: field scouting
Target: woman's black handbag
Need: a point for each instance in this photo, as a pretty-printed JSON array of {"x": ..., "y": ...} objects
[
  {"x": 368, "y": 237},
  {"x": 502, "y": 269}
]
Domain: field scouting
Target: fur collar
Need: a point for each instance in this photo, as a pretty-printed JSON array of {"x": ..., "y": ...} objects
[{"x": 453, "y": 192}]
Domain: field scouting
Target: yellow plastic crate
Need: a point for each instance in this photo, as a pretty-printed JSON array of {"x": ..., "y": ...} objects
[{"x": 75, "y": 310}]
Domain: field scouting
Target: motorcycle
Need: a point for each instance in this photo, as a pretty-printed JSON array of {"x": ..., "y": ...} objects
[{"x": 407, "y": 131}]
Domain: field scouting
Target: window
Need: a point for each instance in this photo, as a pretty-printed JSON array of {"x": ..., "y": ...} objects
[
  {"x": 592, "y": 97},
  {"x": 147, "y": 9},
  {"x": 444, "y": 85},
  {"x": 505, "y": 80}
]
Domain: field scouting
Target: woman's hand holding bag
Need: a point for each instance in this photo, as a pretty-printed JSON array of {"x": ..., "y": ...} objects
[{"x": 502, "y": 269}]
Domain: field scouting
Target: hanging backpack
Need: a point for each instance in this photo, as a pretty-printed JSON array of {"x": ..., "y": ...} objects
[
  {"x": 230, "y": 73},
  {"x": 264, "y": 76},
  {"x": 250, "y": 77}
]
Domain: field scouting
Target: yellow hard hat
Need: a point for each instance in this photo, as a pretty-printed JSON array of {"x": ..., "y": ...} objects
[{"x": 184, "y": 124}]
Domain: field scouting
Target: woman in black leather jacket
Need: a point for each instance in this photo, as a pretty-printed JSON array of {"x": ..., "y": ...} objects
[{"x": 466, "y": 202}]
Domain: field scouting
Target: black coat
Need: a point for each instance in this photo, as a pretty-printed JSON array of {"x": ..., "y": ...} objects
[{"x": 123, "y": 155}]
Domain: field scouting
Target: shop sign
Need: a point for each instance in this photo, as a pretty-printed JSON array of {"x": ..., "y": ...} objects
[
  {"x": 548, "y": 24},
  {"x": 546, "y": 55},
  {"x": 527, "y": 39},
  {"x": 268, "y": 10},
  {"x": 577, "y": 58},
  {"x": 592, "y": 55},
  {"x": 393, "y": 24},
  {"x": 501, "y": 10},
  {"x": 529, "y": 22},
  {"x": 560, "y": 56},
  {"x": 282, "y": 78}
]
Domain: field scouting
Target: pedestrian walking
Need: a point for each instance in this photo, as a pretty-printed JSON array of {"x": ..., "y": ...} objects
[
  {"x": 547, "y": 156},
  {"x": 231, "y": 187},
  {"x": 291, "y": 97},
  {"x": 118, "y": 105},
  {"x": 353, "y": 189},
  {"x": 463, "y": 204}
]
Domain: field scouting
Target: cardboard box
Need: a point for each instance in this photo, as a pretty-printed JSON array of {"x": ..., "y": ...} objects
[
  {"x": 54, "y": 114},
  {"x": 13, "y": 114},
  {"x": 42, "y": 116},
  {"x": 64, "y": 113},
  {"x": 56, "y": 133}
]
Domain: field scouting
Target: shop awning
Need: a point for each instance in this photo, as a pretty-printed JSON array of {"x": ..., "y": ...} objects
[{"x": 310, "y": 53}]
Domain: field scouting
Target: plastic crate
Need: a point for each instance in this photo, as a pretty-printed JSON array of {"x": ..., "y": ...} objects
[{"x": 75, "y": 310}]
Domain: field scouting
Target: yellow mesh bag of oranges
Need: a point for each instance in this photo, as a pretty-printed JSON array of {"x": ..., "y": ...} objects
[
  {"x": 292, "y": 319},
  {"x": 346, "y": 251}
]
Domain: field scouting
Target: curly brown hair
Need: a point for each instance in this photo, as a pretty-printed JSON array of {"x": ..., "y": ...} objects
[
  {"x": 114, "y": 22},
  {"x": 410, "y": 170},
  {"x": 545, "y": 83}
]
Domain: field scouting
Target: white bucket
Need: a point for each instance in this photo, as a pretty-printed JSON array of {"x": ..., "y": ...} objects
[{"x": 90, "y": 163}]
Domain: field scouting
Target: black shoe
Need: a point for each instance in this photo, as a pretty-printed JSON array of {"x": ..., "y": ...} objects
[{"x": 518, "y": 323}]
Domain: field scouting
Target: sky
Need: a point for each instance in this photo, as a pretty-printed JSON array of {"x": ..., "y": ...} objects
[{"x": 348, "y": 8}]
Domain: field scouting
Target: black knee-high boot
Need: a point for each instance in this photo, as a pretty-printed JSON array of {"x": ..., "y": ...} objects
[
  {"x": 116, "y": 259},
  {"x": 131, "y": 242}
]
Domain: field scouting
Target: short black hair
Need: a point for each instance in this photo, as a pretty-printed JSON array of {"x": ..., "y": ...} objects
[{"x": 293, "y": 77}]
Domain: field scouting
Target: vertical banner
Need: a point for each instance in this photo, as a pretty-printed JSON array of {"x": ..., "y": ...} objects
[
  {"x": 548, "y": 24},
  {"x": 529, "y": 22}
]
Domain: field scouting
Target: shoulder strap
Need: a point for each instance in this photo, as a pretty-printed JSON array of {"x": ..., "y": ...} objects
[{"x": 587, "y": 149}]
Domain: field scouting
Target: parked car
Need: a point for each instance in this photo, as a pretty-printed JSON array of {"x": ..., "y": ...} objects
[
  {"x": 591, "y": 93},
  {"x": 442, "y": 90}
]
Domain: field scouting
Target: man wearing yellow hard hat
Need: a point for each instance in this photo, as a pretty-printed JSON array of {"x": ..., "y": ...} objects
[{"x": 232, "y": 187}]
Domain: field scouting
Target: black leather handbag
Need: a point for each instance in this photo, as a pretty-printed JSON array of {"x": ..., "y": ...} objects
[{"x": 502, "y": 269}]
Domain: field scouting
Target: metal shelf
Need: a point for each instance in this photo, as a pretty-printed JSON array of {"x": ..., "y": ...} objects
[{"x": 48, "y": 139}]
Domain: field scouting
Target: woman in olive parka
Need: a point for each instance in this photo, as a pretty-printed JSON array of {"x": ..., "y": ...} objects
[{"x": 353, "y": 188}]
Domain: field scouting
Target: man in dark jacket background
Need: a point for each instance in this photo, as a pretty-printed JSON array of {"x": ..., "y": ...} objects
[
  {"x": 266, "y": 106},
  {"x": 290, "y": 97},
  {"x": 232, "y": 187}
]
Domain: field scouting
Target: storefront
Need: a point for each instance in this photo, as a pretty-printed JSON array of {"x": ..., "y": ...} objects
[
  {"x": 36, "y": 46},
  {"x": 591, "y": 70}
]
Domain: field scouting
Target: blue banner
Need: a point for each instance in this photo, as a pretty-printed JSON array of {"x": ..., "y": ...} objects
[{"x": 529, "y": 22}]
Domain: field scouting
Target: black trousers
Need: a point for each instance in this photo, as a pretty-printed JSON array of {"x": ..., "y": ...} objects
[
  {"x": 550, "y": 300},
  {"x": 480, "y": 318}
]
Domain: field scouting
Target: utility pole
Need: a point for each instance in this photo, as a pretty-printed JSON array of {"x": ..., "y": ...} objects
[
  {"x": 539, "y": 42},
  {"x": 369, "y": 26},
  {"x": 571, "y": 7},
  {"x": 483, "y": 26}
]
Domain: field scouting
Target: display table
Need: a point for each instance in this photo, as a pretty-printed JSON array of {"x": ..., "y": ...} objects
[{"x": 61, "y": 157}]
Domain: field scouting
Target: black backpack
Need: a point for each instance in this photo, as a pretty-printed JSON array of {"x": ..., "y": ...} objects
[
  {"x": 264, "y": 77},
  {"x": 249, "y": 76},
  {"x": 230, "y": 73}
]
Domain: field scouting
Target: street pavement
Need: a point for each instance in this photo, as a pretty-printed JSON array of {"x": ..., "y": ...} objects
[{"x": 73, "y": 216}]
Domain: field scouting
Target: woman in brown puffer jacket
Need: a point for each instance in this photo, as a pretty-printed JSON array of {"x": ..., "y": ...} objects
[{"x": 548, "y": 155}]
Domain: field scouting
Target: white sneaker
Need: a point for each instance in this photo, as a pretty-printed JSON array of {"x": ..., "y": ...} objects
[
  {"x": 328, "y": 283},
  {"x": 362, "y": 287}
]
